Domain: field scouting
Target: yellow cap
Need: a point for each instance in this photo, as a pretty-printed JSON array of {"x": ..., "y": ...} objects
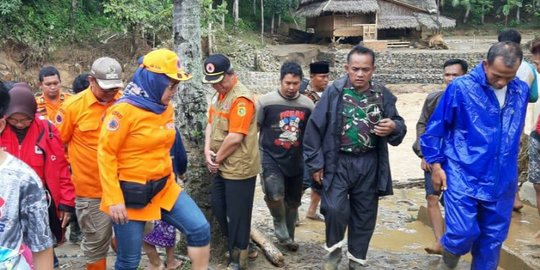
[{"x": 164, "y": 61}]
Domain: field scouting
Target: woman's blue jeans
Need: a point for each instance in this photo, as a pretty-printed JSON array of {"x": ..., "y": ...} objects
[{"x": 185, "y": 216}]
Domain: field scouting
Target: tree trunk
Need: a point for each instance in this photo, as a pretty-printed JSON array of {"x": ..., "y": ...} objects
[
  {"x": 210, "y": 34},
  {"x": 279, "y": 21},
  {"x": 73, "y": 12},
  {"x": 133, "y": 30},
  {"x": 483, "y": 13},
  {"x": 517, "y": 14},
  {"x": 190, "y": 111},
  {"x": 254, "y": 7},
  {"x": 466, "y": 17},
  {"x": 272, "y": 24},
  {"x": 223, "y": 22},
  {"x": 236, "y": 12},
  {"x": 262, "y": 21}
]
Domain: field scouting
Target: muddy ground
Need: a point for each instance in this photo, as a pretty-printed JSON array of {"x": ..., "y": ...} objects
[{"x": 400, "y": 236}]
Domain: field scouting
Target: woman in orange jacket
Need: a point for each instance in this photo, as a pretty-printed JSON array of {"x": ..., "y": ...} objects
[{"x": 135, "y": 166}]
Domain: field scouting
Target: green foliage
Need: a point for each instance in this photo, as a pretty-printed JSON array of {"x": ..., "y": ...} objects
[
  {"x": 277, "y": 6},
  {"x": 9, "y": 6},
  {"x": 212, "y": 14},
  {"x": 144, "y": 13},
  {"x": 494, "y": 11}
]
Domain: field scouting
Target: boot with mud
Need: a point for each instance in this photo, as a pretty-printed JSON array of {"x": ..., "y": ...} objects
[
  {"x": 291, "y": 214},
  {"x": 332, "y": 260},
  {"x": 234, "y": 260},
  {"x": 450, "y": 261},
  {"x": 243, "y": 259},
  {"x": 356, "y": 263},
  {"x": 277, "y": 210},
  {"x": 357, "y": 266}
]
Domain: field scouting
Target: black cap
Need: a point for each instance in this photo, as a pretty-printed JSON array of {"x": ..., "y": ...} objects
[
  {"x": 215, "y": 67},
  {"x": 321, "y": 67}
]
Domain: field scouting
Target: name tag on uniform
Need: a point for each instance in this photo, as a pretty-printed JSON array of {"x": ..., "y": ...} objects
[{"x": 38, "y": 150}]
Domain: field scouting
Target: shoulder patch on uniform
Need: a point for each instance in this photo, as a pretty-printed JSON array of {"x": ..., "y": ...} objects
[
  {"x": 241, "y": 109},
  {"x": 113, "y": 124}
]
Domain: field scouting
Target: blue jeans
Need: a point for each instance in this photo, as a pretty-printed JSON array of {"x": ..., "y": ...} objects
[{"x": 185, "y": 216}]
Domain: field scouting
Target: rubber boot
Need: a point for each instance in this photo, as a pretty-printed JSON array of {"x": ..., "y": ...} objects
[
  {"x": 99, "y": 265},
  {"x": 277, "y": 210},
  {"x": 450, "y": 260},
  {"x": 243, "y": 259},
  {"x": 234, "y": 260},
  {"x": 332, "y": 260},
  {"x": 356, "y": 265},
  {"x": 291, "y": 215}
]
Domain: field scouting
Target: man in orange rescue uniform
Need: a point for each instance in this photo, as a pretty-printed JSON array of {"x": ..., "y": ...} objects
[
  {"x": 51, "y": 97},
  {"x": 231, "y": 151},
  {"x": 79, "y": 121}
]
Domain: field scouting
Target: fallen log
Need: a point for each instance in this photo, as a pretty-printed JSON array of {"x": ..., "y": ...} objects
[{"x": 270, "y": 251}]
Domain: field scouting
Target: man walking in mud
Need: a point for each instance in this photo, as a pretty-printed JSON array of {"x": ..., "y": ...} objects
[
  {"x": 318, "y": 81},
  {"x": 345, "y": 150},
  {"x": 282, "y": 117},
  {"x": 472, "y": 143},
  {"x": 452, "y": 69}
]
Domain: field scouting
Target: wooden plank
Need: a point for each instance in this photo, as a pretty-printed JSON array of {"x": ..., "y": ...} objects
[{"x": 270, "y": 251}]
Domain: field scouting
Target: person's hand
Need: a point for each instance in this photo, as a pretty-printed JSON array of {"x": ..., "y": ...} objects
[
  {"x": 438, "y": 177},
  {"x": 384, "y": 127},
  {"x": 211, "y": 163},
  {"x": 318, "y": 176},
  {"x": 118, "y": 213},
  {"x": 425, "y": 166},
  {"x": 64, "y": 218}
]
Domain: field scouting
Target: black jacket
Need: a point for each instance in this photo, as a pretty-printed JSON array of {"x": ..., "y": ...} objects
[{"x": 322, "y": 135}]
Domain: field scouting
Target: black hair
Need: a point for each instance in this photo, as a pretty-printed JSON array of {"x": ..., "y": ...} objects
[
  {"x": 509, "y": 34},
  {"x": 48, "y": 71},
  {"x": 80, "y": 83},
  {"x": 455, "y": 61},
  {"x": 9, "y": 84},
  {"x": 359, "y": 49},
  {"x": 508, "y": 50},
  {"x": 292, "y": 68},
  {"x": 4, "y": 99},
  {"x": 535, "y": 46}
]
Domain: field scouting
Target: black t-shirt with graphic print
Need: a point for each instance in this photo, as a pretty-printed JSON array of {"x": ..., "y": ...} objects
[{"x": 282, "y": 124}]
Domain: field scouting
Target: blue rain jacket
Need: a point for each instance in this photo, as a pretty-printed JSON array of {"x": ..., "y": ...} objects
[{"x": 475, "y": 141}]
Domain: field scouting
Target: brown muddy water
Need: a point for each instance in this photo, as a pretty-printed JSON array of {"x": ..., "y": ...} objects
[{"x": 398, "y": 242}]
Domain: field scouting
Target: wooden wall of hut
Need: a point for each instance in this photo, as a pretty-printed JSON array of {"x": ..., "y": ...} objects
[
  {"x": 323, "y": 25},
  {"x": 347, "y": 25}
]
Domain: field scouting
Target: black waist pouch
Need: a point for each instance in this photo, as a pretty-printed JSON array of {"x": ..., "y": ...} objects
[{"x": 138, "y": 195}]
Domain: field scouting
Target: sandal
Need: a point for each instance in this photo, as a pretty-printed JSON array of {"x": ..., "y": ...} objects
[{"x": 316, "y": 217}]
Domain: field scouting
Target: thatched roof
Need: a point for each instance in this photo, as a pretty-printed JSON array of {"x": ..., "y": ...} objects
[
  {"x": 430, "y": 21},
  {"x": 314, "y": 8},
  {"x": 427, "y": 5},
  {"x": 397, "y": 22},
  {"x": 392, "y": 14}
]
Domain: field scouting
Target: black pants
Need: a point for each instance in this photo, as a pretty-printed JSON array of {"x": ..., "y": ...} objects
[
  {"x": 351, "y": 199},
  {"x": 232, "y": 203}
]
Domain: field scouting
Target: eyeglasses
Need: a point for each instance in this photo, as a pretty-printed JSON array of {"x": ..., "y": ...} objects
[{"x": 25, "y": 121}]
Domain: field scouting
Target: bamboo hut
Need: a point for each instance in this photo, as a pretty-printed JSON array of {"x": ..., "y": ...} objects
[{"x": 372, "y": 19}]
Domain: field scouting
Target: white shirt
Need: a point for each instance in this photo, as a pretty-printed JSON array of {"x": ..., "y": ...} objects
[{"x": 501, "y": 95}]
